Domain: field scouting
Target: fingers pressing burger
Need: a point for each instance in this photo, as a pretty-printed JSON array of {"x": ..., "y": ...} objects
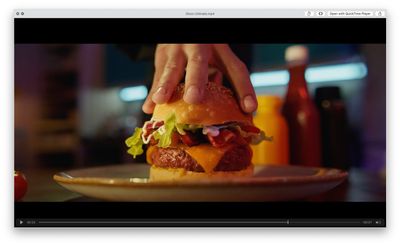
[
  {"x": 238, "y": 74},
  {"x": 196, "y": 72},
  {"x": 215, "y": 76},
  {"x": 159, "y": 62},
  {"x": 171, "y": 61},
  {"x": 172, "y": 72}
]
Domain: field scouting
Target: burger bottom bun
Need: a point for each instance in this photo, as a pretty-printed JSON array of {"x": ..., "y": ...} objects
[{"x": 180, "y": 174}]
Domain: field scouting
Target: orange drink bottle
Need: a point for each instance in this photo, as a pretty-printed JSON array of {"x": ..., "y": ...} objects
[{"x": 269, "y": 119}]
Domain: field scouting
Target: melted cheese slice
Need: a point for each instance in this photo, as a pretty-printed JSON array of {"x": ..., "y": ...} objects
[
  {"x": 150, "y": 151},
  {"x": 207, "y": 156}
]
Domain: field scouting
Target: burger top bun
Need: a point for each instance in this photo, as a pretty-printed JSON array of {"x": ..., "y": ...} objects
[{"x": 219, "y": 106}]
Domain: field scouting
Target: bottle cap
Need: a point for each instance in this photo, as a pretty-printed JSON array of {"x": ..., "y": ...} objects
[
  {"x": 269, "y": 103},
  {"x": 296, "y": 53},
  {"x": 328, "y": 93}
]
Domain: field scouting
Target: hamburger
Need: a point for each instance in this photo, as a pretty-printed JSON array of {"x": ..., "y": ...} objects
[{"x": 209, "y": 140}]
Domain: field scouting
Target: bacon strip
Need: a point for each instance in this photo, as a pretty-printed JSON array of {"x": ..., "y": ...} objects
[{"x": 225, "y": 136}]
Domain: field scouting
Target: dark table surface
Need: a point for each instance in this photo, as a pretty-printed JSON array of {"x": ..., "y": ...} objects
[{"x": 361, "y": 186}]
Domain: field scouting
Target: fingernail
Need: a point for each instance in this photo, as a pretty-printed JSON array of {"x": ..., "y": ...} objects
[
  {"x": 159, "y": 95},
  {"x": 249, "y": 103},
  {"x": 193, "y": 94},
  {"x": 148, "y": 107}
]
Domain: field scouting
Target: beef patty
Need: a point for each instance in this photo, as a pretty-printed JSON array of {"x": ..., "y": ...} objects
[{"x": 235, "y": 159}]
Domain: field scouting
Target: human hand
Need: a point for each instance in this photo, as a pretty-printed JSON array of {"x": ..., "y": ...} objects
[{"x": 171, "y": 61}]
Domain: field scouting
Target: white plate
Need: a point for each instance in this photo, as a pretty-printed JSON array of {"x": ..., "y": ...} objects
[{"x": 270, "y": 183}]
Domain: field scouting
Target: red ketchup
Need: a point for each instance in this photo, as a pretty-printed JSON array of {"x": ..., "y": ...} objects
[{"x": 300, "y": 112}]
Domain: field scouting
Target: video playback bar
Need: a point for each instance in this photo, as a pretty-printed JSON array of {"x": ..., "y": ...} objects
[{"x": 201, "y": 223}]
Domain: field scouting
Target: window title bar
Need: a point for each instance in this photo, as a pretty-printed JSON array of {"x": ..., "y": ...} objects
[{"x": 199, "y": 13}]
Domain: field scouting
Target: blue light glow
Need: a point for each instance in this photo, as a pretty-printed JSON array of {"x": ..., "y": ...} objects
[
  {"x": 319, "y": 74},
  {"x": 134, "y": 93},
  {"x": 271, "y": 78},
  {"x": 340, "y": 72}
]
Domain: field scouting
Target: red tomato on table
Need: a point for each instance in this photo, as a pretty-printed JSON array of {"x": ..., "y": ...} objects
[{"x": 20, "y": 185}]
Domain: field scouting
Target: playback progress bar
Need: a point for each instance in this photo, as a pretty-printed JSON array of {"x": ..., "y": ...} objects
[{"x": 200, "y": 223}]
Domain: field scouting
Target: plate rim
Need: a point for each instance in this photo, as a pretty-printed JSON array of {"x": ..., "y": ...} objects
[{"x": 320, "y": 177}]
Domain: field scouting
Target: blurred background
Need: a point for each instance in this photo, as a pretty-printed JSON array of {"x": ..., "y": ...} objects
[{"x": 76, "y": 104}]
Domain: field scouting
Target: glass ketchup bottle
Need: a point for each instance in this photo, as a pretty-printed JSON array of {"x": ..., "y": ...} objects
[{"x": 300, "y": 112}]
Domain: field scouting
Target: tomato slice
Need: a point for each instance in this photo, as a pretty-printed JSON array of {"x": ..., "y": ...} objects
[
  {"x": 149, "y": 129},
  {"x": 224, "y": 137},
  {"x": 175, "y": 139},
  {"x": 251, "y": 129},
  {"x": 149, "y": 125},
  {"x": 159, "y": 124}
]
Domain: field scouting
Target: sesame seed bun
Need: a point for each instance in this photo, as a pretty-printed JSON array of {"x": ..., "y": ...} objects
[{"x": 219, "y": 106}]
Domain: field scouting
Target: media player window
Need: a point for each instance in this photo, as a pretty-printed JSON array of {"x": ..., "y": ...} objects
[{"x": 200, "y": 118}]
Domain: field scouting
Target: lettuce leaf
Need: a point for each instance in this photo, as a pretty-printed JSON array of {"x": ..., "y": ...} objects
[
  {"x": 165, "y": 132},
  {"x": 135, "y": 143},
  {"x": 256, "y": 139},
  {"x": 181, "y": 128},
  {"x": 165, "y": 139}
]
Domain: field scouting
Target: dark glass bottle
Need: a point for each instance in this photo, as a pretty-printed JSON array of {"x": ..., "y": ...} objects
[
  {"x": 334, "y": 127},
  {"x": 300, "y": 112}
]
